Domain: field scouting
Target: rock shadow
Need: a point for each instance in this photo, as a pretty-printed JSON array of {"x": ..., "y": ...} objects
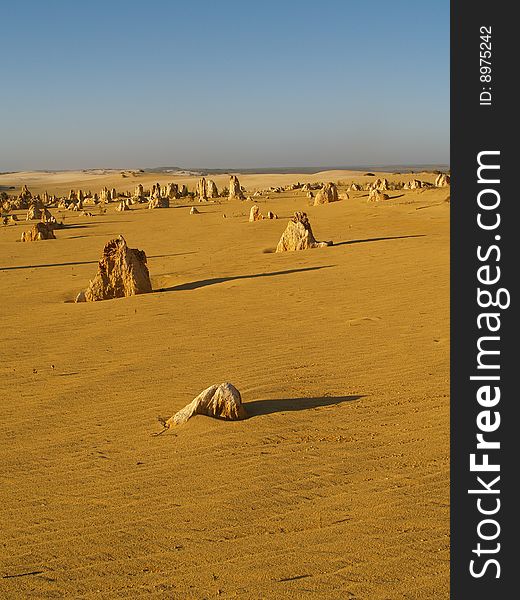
[
  {"x": 193, "y": 285},
  {"x": 278, "y": 405},
  {"x": 380, "y": 239}
]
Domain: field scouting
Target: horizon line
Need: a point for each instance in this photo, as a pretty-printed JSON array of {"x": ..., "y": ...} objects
[{"x": 271, "y": 169}]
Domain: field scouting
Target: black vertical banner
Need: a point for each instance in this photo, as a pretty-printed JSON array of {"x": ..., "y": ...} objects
[{"x": 484, "y": 325}]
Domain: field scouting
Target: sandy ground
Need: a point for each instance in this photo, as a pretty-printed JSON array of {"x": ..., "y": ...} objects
[{"x": 336, "y": 487}]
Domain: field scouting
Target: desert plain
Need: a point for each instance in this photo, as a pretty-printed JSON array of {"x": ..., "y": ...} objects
[{"x": 335, "y": 487}]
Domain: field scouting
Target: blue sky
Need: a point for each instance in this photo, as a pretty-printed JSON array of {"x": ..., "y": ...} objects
[{"x": 225, "y": 83}]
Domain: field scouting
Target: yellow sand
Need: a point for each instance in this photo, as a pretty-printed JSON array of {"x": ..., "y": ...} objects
[{"x": 335, "y": 488}]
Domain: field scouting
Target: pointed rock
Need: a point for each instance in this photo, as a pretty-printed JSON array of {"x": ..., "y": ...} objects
[
  {"x": 122, "y": 271},
  {"x": 298, "y": 235}
]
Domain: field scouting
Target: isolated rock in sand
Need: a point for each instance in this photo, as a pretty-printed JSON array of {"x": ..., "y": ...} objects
[
  {"x": 328, "y": 193},
  {"x": 377, "y": 196},
  {"x": 298, "y": 235},
  {"x": 271, "y": 215},
  {"x": 211, "y": 189},
  {"x": 202, "y": 191},
  {"x": 194, "y": 211},
  {"x": 354, "y": 187},
  {"x": 235, "y": 191},
  {"x": 40, "y": 231},
  {"x": 254, "y": 214},
  {"x": 442, "y": 180},
  {"x": 122, "y": 272},
  {"x": 221, "y": 401}
]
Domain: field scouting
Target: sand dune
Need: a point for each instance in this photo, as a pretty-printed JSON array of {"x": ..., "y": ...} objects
[{"x": 335, "y": 487}]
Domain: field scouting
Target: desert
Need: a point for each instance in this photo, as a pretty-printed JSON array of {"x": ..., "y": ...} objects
[{"x": 329, "y": 479}]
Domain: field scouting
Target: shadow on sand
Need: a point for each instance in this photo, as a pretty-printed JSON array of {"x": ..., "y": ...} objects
[
  {"x": 268, "y": 407},
  {"x": 381, "y": 239},
  {"x": 84, "y": 262},
  {"x": 194, "y": 285}
]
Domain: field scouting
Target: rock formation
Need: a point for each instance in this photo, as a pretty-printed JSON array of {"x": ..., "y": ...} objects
[
  {"x": 172, "y": 191},
  {"x": 202, "y": 192},
  {"x": 40, "y": 231},
  {"x": 442, "y": 180},
  {"x": 271, "y": 215},
  {"x": 211, "y": 189},
  {"x": 155, "y": 191},
  {"x": 414, "y": 184},
  {"x": 104, "y": 195},
  {"x": 9, "y": 220},
  {"x": 298, "y": 235},
  {"x": 122, "y": 272},
  {"x": 139, "y": 191},
  {"x": 354, "y": 187},
  {"x": 235, "y": 191},
  {"x": 34, "y": 212},
  {"x": 194, "y": 211},
  {"x": 25, "y": 196},
  {"x": 377, "y": 196},
  {"x": 254, "y": 214},
  {"x": 46, "y": 216},
  {"x": 158, "y": 202},
  {"x": 379, "y": 184},
  {"x": 328, "y": 193},
  {"x": 220, "y": 401},
  {"x": 123, "y": 205}
]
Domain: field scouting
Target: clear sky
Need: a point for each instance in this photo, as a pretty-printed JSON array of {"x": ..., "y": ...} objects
[{"x": 223, "y": 83}]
